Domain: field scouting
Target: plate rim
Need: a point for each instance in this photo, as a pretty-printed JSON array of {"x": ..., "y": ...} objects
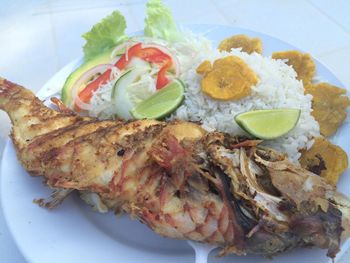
[{"x": 75, "y": 62}]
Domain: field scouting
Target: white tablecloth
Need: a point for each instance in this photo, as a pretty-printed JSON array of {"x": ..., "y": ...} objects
[{"x": 37, "y": 38}]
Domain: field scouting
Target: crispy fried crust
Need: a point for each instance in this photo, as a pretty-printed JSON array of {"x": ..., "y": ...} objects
[{"x": 178, "y": 179}]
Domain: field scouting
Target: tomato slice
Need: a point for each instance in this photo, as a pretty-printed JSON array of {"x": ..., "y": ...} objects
[
  {"x": 126, "y": 58},
  {"x": 86, "y": 94},
  {"x": 153, "y": 55},
  {"x": 162, "y": 79},
  {"x": 149, "y": 54}
]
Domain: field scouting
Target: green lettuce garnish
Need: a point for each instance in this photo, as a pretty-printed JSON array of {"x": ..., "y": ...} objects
[
  {"x": 110, "y": 32},
  {"x": 159, "y": 22},
  {"x": 105, "y": 35}
]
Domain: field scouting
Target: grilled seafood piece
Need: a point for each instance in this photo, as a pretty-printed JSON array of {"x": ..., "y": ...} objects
[{"x": 178, "y": 179}]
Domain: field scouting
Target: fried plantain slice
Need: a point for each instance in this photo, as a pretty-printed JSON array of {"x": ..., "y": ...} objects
[
  {"x": 204, "y": 67},
  {"x": 329, "y": 105},
  {"x": 229, "y": 78},
  {"x": 248, "y": 44},
  {"x": 325, "y": 159},
  {"x": 302, "y": 63}
]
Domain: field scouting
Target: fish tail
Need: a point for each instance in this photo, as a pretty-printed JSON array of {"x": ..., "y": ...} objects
[
  {"x": 7, "y": 92},
  {"x": 29, "y": 116}
]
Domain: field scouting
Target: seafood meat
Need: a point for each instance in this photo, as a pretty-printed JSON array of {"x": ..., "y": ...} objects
[{"x": 178, "y": 179}]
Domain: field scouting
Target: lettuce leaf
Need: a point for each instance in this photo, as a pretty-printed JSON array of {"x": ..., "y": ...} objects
[
  {"x": 159, "y": 22},
  {"x": 104, "y": 35}
]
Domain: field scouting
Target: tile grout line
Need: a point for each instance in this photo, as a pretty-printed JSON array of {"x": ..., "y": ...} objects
[
  {"x": 328, "y": 17},
  {"x": 69, "y": 6},
  {"x": 223, "y": 15},
  {"x": 54, "y": 39},
  {"x": 331, "y": 51},
  {"x": 129, "y": 10}
]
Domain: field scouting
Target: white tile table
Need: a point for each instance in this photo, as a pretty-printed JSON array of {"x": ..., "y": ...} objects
[{"x": 37, "y": 38}]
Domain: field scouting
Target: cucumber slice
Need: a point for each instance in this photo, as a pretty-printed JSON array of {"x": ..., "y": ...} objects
[
  {"x": 120, "y": 93},
  {"x": 138, "y": 63},
  {"x": 162, "y": 103}
]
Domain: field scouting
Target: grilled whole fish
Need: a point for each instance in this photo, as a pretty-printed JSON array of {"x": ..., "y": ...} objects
[{"x": 178, "y": 179}]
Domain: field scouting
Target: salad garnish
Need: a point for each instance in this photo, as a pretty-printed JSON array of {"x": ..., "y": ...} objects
[{"x": 155, "y": 65}]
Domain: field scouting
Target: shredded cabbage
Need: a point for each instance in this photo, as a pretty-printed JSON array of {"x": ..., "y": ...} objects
[{"x": 101, "y": 103}]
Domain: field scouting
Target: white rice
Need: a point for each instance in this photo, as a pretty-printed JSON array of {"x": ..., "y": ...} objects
[{"x": 277, "y": 88}]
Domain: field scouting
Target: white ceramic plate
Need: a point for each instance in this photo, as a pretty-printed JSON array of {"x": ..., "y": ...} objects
[{"x": 74, "y": 233}]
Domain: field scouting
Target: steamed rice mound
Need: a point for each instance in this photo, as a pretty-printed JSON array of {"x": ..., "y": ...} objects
[{"x": 278, "y": 87}]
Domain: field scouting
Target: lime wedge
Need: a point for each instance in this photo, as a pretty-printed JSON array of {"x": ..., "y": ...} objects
[
  {"x": 268, "y": 124},
  {"x": 161, "y": 103}
]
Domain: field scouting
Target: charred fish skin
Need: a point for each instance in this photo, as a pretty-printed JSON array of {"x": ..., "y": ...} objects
[
  {"x": 178, "y": 179},
  {"x": 147, "y": 178}
]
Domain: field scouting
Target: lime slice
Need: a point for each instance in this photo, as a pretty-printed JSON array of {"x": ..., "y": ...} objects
[
  {"x": 268, "y": 124},
  {"x": 161, "y": 103}
]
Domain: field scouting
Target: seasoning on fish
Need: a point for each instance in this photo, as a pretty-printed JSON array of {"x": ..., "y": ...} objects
[{"x": 180, "y": 180}]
